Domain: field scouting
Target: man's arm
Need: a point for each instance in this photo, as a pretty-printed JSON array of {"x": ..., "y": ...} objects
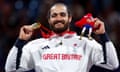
[
  {"x": 110, "y": 59},
  {"x": 13, "y": 59},
  {"x": 109, "y": 52}
]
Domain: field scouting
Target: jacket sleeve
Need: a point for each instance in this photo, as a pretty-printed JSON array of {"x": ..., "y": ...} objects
[
  {"x": 110, "y": 59},
  {"x": 15, "y": 56}
]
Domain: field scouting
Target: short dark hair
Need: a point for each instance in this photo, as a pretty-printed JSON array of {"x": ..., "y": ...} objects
[{"x": 68, "y": 9}]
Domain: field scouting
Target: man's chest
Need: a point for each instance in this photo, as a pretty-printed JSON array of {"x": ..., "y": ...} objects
[
  {"x": 61, "y": 54},
  {"x": 61, "y": 49}
]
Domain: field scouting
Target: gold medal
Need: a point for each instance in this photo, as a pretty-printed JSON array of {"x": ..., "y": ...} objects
[{"x": 36, "y": 25}]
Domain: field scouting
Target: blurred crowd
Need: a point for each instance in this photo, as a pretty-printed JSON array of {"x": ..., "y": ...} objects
[{"x": 16, "y": 13}]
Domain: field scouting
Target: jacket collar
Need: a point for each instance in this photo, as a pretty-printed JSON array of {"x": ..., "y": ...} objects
[{"x": 65, "y": 34}]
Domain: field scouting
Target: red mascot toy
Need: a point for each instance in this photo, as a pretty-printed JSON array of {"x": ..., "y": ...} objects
[{"x": 87, "y": 22}]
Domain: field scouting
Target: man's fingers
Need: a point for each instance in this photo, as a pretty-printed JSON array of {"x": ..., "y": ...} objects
[
  {"x": 97, "y": 23},
  {"x": 100, "y": 30},
  {"x": 25, "y": 32},
  {"x": 27, "y": 29},
  {"x": 99, "y": 26}
]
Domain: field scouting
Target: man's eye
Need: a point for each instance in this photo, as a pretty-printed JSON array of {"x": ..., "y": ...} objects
[
  {"x": 63, "y": 14},
  {"x": 53, "y": 15}
]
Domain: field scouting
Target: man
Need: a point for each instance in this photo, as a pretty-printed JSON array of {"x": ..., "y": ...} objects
[{"x": 63, "y": 51}]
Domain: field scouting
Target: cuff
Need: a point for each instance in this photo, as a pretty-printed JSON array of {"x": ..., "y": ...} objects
[
  {"x": 104, "y": 37},
  {"x": 20, "y": 43}
]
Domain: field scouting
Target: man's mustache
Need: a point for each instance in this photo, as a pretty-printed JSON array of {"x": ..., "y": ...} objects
[{"x": 61, "y": 21}]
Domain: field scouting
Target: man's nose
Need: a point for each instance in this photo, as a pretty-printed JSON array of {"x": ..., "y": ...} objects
[{"x": 59, "y": 17}]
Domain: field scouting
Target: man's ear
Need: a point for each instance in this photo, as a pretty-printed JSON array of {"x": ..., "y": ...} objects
[
  {"x": 49, "y": 21},
  {"x": 70, "y": 18}
]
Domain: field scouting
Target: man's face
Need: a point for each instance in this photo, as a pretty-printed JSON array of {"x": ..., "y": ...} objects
[{"x": 59, "y": 19}]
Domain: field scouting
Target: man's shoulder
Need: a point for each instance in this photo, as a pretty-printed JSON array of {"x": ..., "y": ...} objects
[
  {"x": 36, "y": 41},
  {"x": 91, "y": 42},
  {"x": 34, "y": 45}
]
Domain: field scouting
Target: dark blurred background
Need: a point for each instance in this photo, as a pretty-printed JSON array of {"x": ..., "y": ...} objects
[{"x": 16, "y": 13}]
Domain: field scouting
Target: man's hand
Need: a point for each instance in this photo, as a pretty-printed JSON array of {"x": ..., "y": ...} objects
[
  {"x": 99, "y": 25},
  {"x": 26, "y": 32}
]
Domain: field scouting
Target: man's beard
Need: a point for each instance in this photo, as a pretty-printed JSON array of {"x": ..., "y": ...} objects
[{"x": 60, "y": 30}]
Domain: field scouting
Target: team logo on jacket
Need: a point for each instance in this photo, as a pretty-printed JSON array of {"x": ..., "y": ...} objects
[
  {"x": 46, "y": 47},
  {"x": 59, "y": 56}
]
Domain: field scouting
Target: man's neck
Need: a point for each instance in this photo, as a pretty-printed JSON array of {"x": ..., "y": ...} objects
[{"x": 68, "y": 31}]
